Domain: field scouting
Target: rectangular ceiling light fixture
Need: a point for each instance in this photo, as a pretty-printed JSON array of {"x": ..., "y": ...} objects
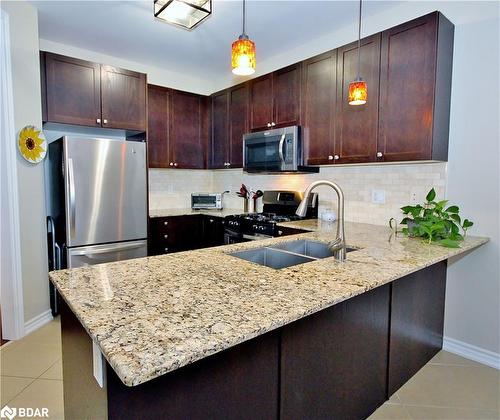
[{"x": 186, "y": 14}]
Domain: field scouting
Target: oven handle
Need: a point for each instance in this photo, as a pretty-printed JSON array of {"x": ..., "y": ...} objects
[
  {"x": 280, "y": 148},
  {"x": 255, "y": 237}
]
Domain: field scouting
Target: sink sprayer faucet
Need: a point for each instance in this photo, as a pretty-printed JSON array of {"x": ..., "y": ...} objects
[{"x": 338, "y": 245}]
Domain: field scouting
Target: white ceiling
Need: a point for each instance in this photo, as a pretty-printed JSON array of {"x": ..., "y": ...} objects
[{"x": 126, "y": 29}]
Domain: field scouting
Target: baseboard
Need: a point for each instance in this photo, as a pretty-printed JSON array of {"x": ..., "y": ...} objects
[
  {"x": 37, "y": 322},
  {"x": 478, "y": 354}
]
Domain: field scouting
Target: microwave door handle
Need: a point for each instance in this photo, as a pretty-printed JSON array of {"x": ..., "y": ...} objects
[{"x": 280, "y": 148}]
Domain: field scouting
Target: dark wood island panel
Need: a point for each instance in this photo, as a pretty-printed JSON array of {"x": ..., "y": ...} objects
[{"x": 417, "y": 319}]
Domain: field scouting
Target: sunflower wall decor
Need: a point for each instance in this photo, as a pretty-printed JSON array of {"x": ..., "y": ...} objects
[{"x": 32, "y": 144}]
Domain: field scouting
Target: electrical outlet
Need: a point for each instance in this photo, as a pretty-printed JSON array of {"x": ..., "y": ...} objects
[
  {"x": 413, "y": 197},
  {"x": 378, "y": 196}
]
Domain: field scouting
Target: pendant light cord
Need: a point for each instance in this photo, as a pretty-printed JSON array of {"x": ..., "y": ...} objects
[
  {"x": 359, "y": 38},
  {"x": 244, "y": 17}
]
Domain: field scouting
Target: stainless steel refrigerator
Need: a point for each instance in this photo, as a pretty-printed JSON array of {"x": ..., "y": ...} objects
[{"x": 97, "y": 201}]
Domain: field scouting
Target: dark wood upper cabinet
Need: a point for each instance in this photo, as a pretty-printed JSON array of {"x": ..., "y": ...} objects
[
  {"x": 357, "y": 126},
  {"x": 178, "y": 128},
  {"x": 415, "y": 88},
  {"x": 84, "y": 93},
  {"x": 220, "y": 130},
  {"x": 123, "y": 98},
  {"x": 275, "y": 99},
  {"x": 71, "y": 90},
  {"x": 318, "y": 108},
  {"x": 286, "y": 95},
  {"x": 238, "y": 123},
  {"x": 261, "y": 102},
  {"x": 188, "y": 130},
  {"x": 229, "y": 123},
  {"x": 158, "y": 135}
]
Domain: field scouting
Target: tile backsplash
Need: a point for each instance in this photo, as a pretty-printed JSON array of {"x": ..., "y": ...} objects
[{"x": 399, "y": 182}]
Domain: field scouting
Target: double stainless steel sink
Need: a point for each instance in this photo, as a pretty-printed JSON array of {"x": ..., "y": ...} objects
[{"x": 287, "y": 254}]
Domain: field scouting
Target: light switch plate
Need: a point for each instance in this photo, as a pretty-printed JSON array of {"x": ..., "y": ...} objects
[{"x": 378, "y": 196}]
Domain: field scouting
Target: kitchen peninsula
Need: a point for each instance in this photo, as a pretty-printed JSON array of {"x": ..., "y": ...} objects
[{"x": 202, "y": 334}]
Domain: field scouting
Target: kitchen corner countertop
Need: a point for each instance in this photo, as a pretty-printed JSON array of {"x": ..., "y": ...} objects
[
  {"x": 150, "y": 316},
  {"x": 189, "y": 211}
]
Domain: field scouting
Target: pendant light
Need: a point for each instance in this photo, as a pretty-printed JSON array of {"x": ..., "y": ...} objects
[
  {"x": 358, "y": 90},
  {"x": 243, "y": 53}
]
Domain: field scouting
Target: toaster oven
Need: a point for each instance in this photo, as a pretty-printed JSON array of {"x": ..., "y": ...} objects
[{"x": 206, "y": 201}]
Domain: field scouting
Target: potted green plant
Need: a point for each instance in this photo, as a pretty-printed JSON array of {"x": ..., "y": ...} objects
[{"x": 435, "y": 222}]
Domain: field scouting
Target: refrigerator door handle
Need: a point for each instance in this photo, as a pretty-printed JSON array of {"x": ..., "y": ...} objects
[
  {"x": 108, "y": 249},
  {"x": 72, "y": 206}
]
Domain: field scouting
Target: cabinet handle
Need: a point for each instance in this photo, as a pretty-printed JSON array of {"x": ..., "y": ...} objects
[
  {"x": 336, "y": 157},
  {"x": 380, "y": 154},
  {"x": 165, "y": 236},
  {"x": 330, "y": 157},
  {"x": 280, "y": 232},
  {"x": 171, "y": 163},
  {"x": 165, "y": 223},
  {"x": 166, "y": 249},
  {"x": 211, "y": 220},
  {"x": 269, "y": 124},
  {"x": 273, "y": 124},
  {"x": 175, "y": 164},
  {"x": 228, "y": 163},
  {"x": 104, "y": 121},
  {"x": 98, "y": 120}
]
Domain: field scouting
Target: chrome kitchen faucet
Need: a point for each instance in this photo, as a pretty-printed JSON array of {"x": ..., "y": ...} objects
[{"x": 338, "y": 245}]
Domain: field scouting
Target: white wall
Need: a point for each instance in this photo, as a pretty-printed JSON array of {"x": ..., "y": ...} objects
[
  {"x": 23, "y": 22},
  {"x": 156, "y": 76},
  {"x": 473, "y": 290}
]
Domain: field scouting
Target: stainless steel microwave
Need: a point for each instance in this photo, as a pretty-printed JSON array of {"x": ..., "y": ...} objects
[
  {"x": 206, "y": 201},
  {"x": 277, "y": 150}
]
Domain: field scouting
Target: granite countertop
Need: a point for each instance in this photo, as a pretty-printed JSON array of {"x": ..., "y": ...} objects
[
  {"x": 150, "y": 316},
  {"x": 189, "y": 211}
]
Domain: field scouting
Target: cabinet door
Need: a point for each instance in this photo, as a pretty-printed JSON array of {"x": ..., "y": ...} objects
[
  {"x": 238, "y": 123},
  {"x": 356, "y": 134},
  {"x": 319, "y": 92},
  {"x": 407, "y": 77},
  {"x": 213, "y": 231},
  {"x": 187, "y": 142},
  {"x": 158, "y": 99},
  {"x": 71, "y": 90},
  {"x": 261, "y": 102},
  {"x": 123, "y": 98},
  {"x": 220, "y": 130},
  {"x": 286, "y": 95}
]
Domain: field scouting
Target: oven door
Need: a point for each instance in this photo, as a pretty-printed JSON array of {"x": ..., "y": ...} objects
[{"x": 271, "y": 151}]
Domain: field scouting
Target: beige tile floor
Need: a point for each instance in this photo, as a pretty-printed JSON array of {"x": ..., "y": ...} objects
[{"x": 448, "y": 387}]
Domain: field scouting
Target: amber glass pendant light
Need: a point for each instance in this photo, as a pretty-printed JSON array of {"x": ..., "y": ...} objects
[
  {"x": 243, "y": 53},
  {"x": 358, "y": 90}
]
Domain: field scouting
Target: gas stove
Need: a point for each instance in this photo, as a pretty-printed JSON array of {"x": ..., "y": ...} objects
[{"x": 279, "y": 207}]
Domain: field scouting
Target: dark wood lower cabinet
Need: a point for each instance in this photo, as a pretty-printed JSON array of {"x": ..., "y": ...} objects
[
  {"x": 340, "y": 363},
  {"x": 183, "y": 233},
  {"x": 417, "y": 317}
]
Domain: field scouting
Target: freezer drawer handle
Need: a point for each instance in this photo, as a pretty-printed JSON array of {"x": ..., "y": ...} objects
[{"x": 108, "y": 249}]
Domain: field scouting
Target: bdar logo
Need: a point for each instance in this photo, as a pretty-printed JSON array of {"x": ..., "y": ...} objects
[{"x": 8, "y": 412}]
